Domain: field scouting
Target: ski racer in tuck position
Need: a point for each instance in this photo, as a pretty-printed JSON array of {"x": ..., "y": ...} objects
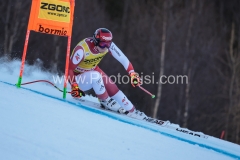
[{"x": 84, "y": 73}]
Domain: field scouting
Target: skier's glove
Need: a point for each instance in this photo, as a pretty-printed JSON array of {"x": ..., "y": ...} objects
[
  {"x": 76, "y": 92},
  {"x": 135, "y": 79}
]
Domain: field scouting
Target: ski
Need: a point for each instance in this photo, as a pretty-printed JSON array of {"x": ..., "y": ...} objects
[
  {"x": 98, "y": 105},
  {"x": 156, "y": 121},
  {"x": 151, "y": 120}
]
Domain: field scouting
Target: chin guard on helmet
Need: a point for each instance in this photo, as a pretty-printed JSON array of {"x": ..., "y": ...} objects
[{"x": 102, "y": 37}]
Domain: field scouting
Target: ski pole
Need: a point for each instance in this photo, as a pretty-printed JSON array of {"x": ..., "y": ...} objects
[
  {"x": 44, "y": 81},
  {"x": 152, "y": 95}
]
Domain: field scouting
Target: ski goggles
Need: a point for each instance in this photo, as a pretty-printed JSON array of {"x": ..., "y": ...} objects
[{"x": 104, "y": 44}]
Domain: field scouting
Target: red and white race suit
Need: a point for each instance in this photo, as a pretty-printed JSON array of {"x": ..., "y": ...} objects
[{"x": 83, "y": 69}]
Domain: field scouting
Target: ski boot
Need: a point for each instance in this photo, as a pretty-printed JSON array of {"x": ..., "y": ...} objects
[
  {"x": 112, "y": 105},
  {"x": 137, "y": 114}
]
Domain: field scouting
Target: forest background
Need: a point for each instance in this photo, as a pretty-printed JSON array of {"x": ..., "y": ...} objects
[{"x": 199, "y": 39}]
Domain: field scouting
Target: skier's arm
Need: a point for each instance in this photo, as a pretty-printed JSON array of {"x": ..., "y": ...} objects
[
  {"x": 119, "y": 55},
  {"x": 75, "y": 59}
]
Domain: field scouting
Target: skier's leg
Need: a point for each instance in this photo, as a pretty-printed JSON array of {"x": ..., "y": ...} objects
[
  {"x": 93, "y": 79},
  {"x": 115, "y": 93},
  {"x": 122, "y": 99},
  {"x": 125, "y": 103},
  {"x": 111, "y": 87}
]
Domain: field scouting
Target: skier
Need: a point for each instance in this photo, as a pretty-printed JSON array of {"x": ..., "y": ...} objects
[{"x": 84, "y": 73}]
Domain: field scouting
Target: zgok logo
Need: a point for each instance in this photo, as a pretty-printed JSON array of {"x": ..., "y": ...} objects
[{"x": 54, "y": 7}]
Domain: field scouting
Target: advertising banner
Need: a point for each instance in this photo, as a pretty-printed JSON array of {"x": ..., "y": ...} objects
[{"x": 51, "y": 17}]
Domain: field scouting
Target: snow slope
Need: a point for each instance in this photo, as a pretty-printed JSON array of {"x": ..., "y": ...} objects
[{"x": 36, "y": 123}]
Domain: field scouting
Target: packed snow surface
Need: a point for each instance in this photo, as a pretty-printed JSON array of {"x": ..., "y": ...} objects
[{"x": 39, "y": 126}]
